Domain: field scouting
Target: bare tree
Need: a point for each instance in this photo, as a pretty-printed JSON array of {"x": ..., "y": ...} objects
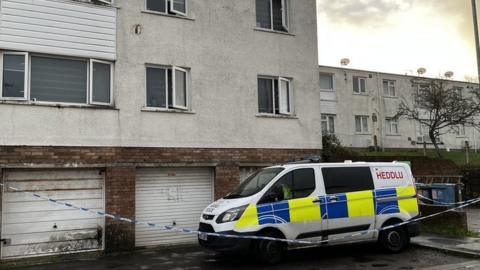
[{"x": 441, "y": 109}]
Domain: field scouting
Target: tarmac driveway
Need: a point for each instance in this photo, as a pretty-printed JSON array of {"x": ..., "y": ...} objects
[{"x": 346, "y": 257}]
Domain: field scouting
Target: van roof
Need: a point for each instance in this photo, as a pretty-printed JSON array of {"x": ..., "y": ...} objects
[{"x": 342, "y": 164}]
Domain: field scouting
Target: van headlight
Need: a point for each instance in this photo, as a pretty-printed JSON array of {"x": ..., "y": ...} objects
[{"x": 232, "y": 214}]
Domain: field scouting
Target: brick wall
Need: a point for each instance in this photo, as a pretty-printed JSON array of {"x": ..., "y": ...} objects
[
  {"x": 226, "y": 179},
  {"x": 120, "y": 200}
]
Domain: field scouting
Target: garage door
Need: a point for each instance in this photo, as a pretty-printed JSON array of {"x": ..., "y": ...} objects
[
  {"x": 173, "y": 196},
  {"x": 36, "y": 227}
]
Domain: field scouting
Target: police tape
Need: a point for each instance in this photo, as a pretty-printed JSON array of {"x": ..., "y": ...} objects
[
  {"x": 440, "y": 202},
  {"x": 225, "y": 235}
]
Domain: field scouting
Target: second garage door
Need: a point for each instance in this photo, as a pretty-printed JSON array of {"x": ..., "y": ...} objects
[{"x": 171, "y": 196}]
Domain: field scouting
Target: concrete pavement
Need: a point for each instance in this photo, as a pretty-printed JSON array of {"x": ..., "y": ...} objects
[{"x": 466, "y": 246}]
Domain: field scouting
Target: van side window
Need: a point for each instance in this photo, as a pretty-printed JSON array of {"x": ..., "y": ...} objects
[
  {"x": 293, "y": 185},
  {"x": 347, "y": 179}
]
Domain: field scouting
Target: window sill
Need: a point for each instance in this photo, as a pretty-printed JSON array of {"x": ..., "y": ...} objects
[
  {"x": 166, "y": 111},
  {"x": 393, "y": 135},
  {"x": 391, "y": 97},
  {"x": 329, "y": 100},
  {"x": 58, "y": 105},
  {"x": 168, "y": 15},
  {"x": 328, "y": 90},
  {"x": 461, "y": 137},
  {"x": 361, "y": 94},
  {"x": 362, "y": 133},
  {"x": 279, "y": 116},
  {"x": 273, "y": 31}
]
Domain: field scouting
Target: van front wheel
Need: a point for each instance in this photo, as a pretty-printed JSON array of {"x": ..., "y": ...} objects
[
  {"x": 394, "y": 240},
  {"x": 269, "y": 252}
]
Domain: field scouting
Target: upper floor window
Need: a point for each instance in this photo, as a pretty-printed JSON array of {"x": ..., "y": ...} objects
[
  {"x": 458, "y": 90},
  {"x": 328, "y": 123},
  {"x": 272, "y": 14},
  {"x": 361, "y": 124},
  {"x": 391, "y": 126},
  {"x": 56, "y": 79},
  {"x": 459, "y": 130},
  {"x": 423, "y": 89},
  {"x": 167, "y": 87},
  {"x": 174, "y": 7},
  {"x": 389, "y": 88},
  {"x": 326, "y": 82},
  {"x": 274, "y": 95},
  {"x": 359, "y": 85}
]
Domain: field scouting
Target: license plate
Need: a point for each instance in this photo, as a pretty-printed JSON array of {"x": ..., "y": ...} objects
[{"x": 203, "y": 236}]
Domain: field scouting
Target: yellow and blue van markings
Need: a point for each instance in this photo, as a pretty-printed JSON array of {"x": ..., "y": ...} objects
[{"x": 351, "y": 204}]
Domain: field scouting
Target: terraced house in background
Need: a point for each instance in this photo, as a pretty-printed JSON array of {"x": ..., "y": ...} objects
[
  {"x": 359, "y": 107},
  {"x": 147, "y": 109}
]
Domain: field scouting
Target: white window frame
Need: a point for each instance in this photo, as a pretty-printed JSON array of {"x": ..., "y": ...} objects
[
  {"x": 285, "y": 22},
  {"x": 165, "y": 69},
  {"x": 360, "y": 78},
  {"x": 460, "y": 131},
  {"x": 177, "y": 12},
  {"x": 174, "y": 88},
  {"x": 26, "y": 76},
  {"x": 391, "y": 85},
  {"x": 281, "y": 109},
  {"x": 333, "y": 81},
  {"x": 328, "y": 118},
  {"x": 362, "y": 118},
  {"x": 274, "y": 104},
  {"x": 90, "y": 86},
  {"x": 458, "y": 90},
  {"x": 390, "y": 122}
]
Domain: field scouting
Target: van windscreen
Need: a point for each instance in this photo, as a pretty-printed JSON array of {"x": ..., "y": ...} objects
[
  {"x": 347, "y": 179},
  {"x": 254, "y": 183}
]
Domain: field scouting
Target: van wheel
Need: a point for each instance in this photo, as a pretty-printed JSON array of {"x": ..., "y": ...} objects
[
  {"x": 394, "y": 240},
  {"x": 270, "y": 252}
]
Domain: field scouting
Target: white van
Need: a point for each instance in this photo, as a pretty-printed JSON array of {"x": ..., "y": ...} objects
[{"x": 315, "y": 202}]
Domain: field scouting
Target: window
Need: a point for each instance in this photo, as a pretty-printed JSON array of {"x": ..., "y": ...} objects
[
  {"x": 458, "y": 90},
  {"x": 174, "y": 7},
  {"x": 274, "y": 95},
  {"x": 328, "y": 123},
  {"x": 15, "y": 68},
  {"x": 296, "y": 184},
  {"x": 167, "y": 87},
  {"x": 460, "y": 130},
  {"x": 347, "y": 179},
  {"x": 359, "y": 85},
  {"x": 423, "y": 89},
  {"x": 361, "y": 124},
  {"x": 391, "y": 126},
  {"x": 272, "y": 14},
  {"x": 389, "y": 88},
  {"x": 326, "y": 82},
  {"x": 101, "y": 82}
]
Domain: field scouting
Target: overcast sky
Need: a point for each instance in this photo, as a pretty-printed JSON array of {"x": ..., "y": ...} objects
[{"x": 398, "y": 36}]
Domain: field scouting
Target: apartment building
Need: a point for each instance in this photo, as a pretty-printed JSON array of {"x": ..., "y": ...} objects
[
  {"x": 145, "y": 109},
  {"x": 358, "y": 106}
]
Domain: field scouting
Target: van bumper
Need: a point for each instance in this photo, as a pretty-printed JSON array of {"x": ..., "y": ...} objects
[{"x": 224, "y": 244}]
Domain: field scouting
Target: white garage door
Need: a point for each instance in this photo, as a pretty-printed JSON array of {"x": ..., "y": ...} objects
[
  {"x": 171, "y": 196},
  {"x": 36, "y": 227}
]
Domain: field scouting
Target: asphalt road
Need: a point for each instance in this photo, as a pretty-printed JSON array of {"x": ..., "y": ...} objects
[{"x": 344, "y": 257}]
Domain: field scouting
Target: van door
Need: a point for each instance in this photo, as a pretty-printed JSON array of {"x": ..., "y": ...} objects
[
  {"x": 349, "y": 203},
  {"x": 291, "y": 204}
]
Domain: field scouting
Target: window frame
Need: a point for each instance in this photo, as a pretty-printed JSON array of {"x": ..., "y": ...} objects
[
  {"x": 332, "y": 76},
  {"x": 274, "y": 103},
  {"x": 169, "y": 8},
  {"x": 90, "y": 85},
  {"x": 281, "y": 110},
  {"x": 391, "y": 85},
  {"x": 174, "y": 89},
  {"x": 26, "y": 76},
  {"x": 358, "y": 79},
  {"x": 327, "y": 119},
  {"x": 389, "y": 123},
  {"x": 362, "y": 117},
  {"x": 169, "y": 107},
  {"x": 284, "y": 6}
]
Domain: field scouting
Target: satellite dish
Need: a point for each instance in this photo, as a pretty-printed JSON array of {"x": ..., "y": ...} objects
[
  {"x": 345, "y": 62},
  {"x": 449, "y": 74},
  {"x": 421, "y": 71}
]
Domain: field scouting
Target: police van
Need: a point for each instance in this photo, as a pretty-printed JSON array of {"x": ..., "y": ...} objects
[{"x": 328, "y": 203}]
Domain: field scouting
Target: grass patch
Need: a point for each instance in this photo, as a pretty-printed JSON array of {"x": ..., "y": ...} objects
[
  {"x": 456, "y": 156},
  {"x": 449, "y": 230}
]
